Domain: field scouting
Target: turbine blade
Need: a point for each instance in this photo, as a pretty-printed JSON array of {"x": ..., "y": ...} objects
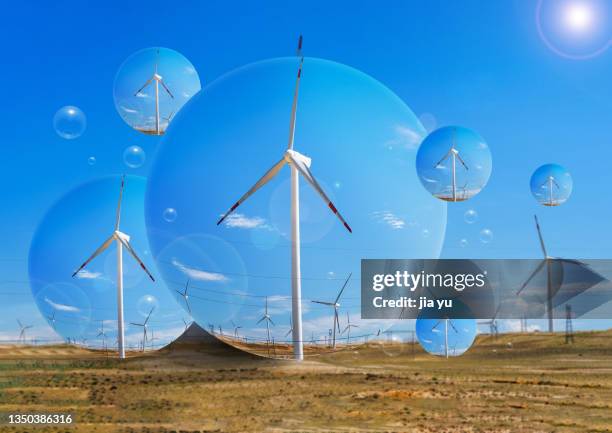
[
  {"x": 337, "y": 319},
  {"x": 444, "y": 157},
  {"x": 556, "y": 184},
  {"x": 450, "y": 322},
  {"x": 295, "y": 100},
  {"x": 127, "y": 246},
  {"x": 540, "y": 236},
  {"x": 118, "y": 216},
  {"x": 260, "y": 320},
  {"x": 462, "y": 161},
  {"x": 436, "y": 325},
  {"x": 149, "y": 316},
  {"x": 533, "y": 274},
  {"x": 323, "y": 303},
  {"x": 305, "y": 171},
  {"x": 166, "y": 88},
  {"x": 289, "y": 332},
  {"x": 143, "y": 86},
  {"x": 271, "y": 321},
  {"x": 342, "y": 289},
  {"x": 95, "y": 254},
  {"x": 261, "y": 182}
]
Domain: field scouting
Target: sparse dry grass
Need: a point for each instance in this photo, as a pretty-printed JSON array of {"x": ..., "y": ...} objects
[{"x": 538, "y": 385}]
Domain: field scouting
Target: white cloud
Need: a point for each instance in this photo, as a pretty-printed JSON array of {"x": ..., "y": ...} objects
[
  {"x": 198, "y": 274},
  {"x": 436, "y": 330},
  {"x": 62, "y": 307},
  {"x": 128, "y": 110},
  {"x": 241, "y": 221},
  {"x": 390, "y": 219},
  {"x": 142, "y": 95},
  {"x": 405, "y": 137},
  {"x": 84, "y": 274}
]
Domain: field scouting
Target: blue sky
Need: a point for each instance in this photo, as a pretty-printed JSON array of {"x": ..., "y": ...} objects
[{"x": 477, "y": 64}]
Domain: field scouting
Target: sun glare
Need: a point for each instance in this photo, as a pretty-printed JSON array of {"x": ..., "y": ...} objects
[{"x": 578, "y": 17}]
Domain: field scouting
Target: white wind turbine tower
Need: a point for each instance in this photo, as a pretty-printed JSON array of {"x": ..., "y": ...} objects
[
  {"x": 548, "y": 261},
  {"x": 348, "y": 328},
  {"x": 453, "y": 153},
  {"x": 122, "y": 241},
  {"x": 447, "y": 322},
  {"x": 266, "y": 317},
  {"x": 144, "y": 326},
  {"x": 336, "y": 306},
  {"x": 300, "y": 165},
  {"x": 22, "y": 331},
  {"x": 550, "y": 183},
  {"x": 158, "y": 80},
  {"x": 185, "y": 296}
]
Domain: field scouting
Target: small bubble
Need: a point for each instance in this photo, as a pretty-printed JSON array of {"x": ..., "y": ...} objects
[
  {"x": 91, "y": 160},
  {"x": 134, "y": 156},
  {"x": 486, "y": 236},
  {"x": 463, "y": 243},
  {"x": 426, "y": 233},
  {"x": 69, "y": 122},
  {"x": 470, "y": 216},
  {"x": 170, "y": 214}
]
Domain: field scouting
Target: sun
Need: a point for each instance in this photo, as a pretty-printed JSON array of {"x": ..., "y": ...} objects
[{"x": 578, "y": 16}]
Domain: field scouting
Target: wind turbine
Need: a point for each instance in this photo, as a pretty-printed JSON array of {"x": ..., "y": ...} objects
[
  {"x": 549, "y": 183},
  {"x": 336, "y": 306},
  {"x": 447, "y": 322},
  {"x": 185, "y": 296},
  {"x": 102, "y": 333},
  {"x": 52, "y": 320},
  {"x": 266, "y": 317},
  {"x": 348, "y": 328},
  {"x": 22, "y": 331},
  {"x": 290, "y": 326},
  {"x": 144, "y": 327},
  {"x": 236, "y": 328},
  {"x": 493, "y": 327},
  {"x": 453, "y": 153},
  {"x": 122, "y": 240},
  {"x": 300, "y": 165},
  {"x": 548, "y": 262},
  {"x": 158, "y": 80}
]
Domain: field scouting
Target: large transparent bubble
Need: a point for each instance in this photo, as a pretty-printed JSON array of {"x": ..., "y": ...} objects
[
  {"x": 575, "y": 29},
  {"x": 83, "y": 306},
  {"x": 551, "y": 185},
  {"x": 362, "y": 140},
  {"x": 151, "y": 86}
]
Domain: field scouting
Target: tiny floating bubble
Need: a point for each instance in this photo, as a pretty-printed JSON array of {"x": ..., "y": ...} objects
[{"x": 134, "y": 156}]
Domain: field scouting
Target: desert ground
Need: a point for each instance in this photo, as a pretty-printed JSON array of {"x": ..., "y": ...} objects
[{"x": 516, "y": 383}]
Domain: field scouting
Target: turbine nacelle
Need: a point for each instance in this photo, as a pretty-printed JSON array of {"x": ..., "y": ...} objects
[
  {"x": 157, "y": 77},
  {"x": 292, "y": 155},
  {"x": 120, "y": 236}
]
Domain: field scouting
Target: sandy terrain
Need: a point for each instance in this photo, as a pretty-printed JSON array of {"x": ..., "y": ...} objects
[{"x": 539, "y": 384}]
